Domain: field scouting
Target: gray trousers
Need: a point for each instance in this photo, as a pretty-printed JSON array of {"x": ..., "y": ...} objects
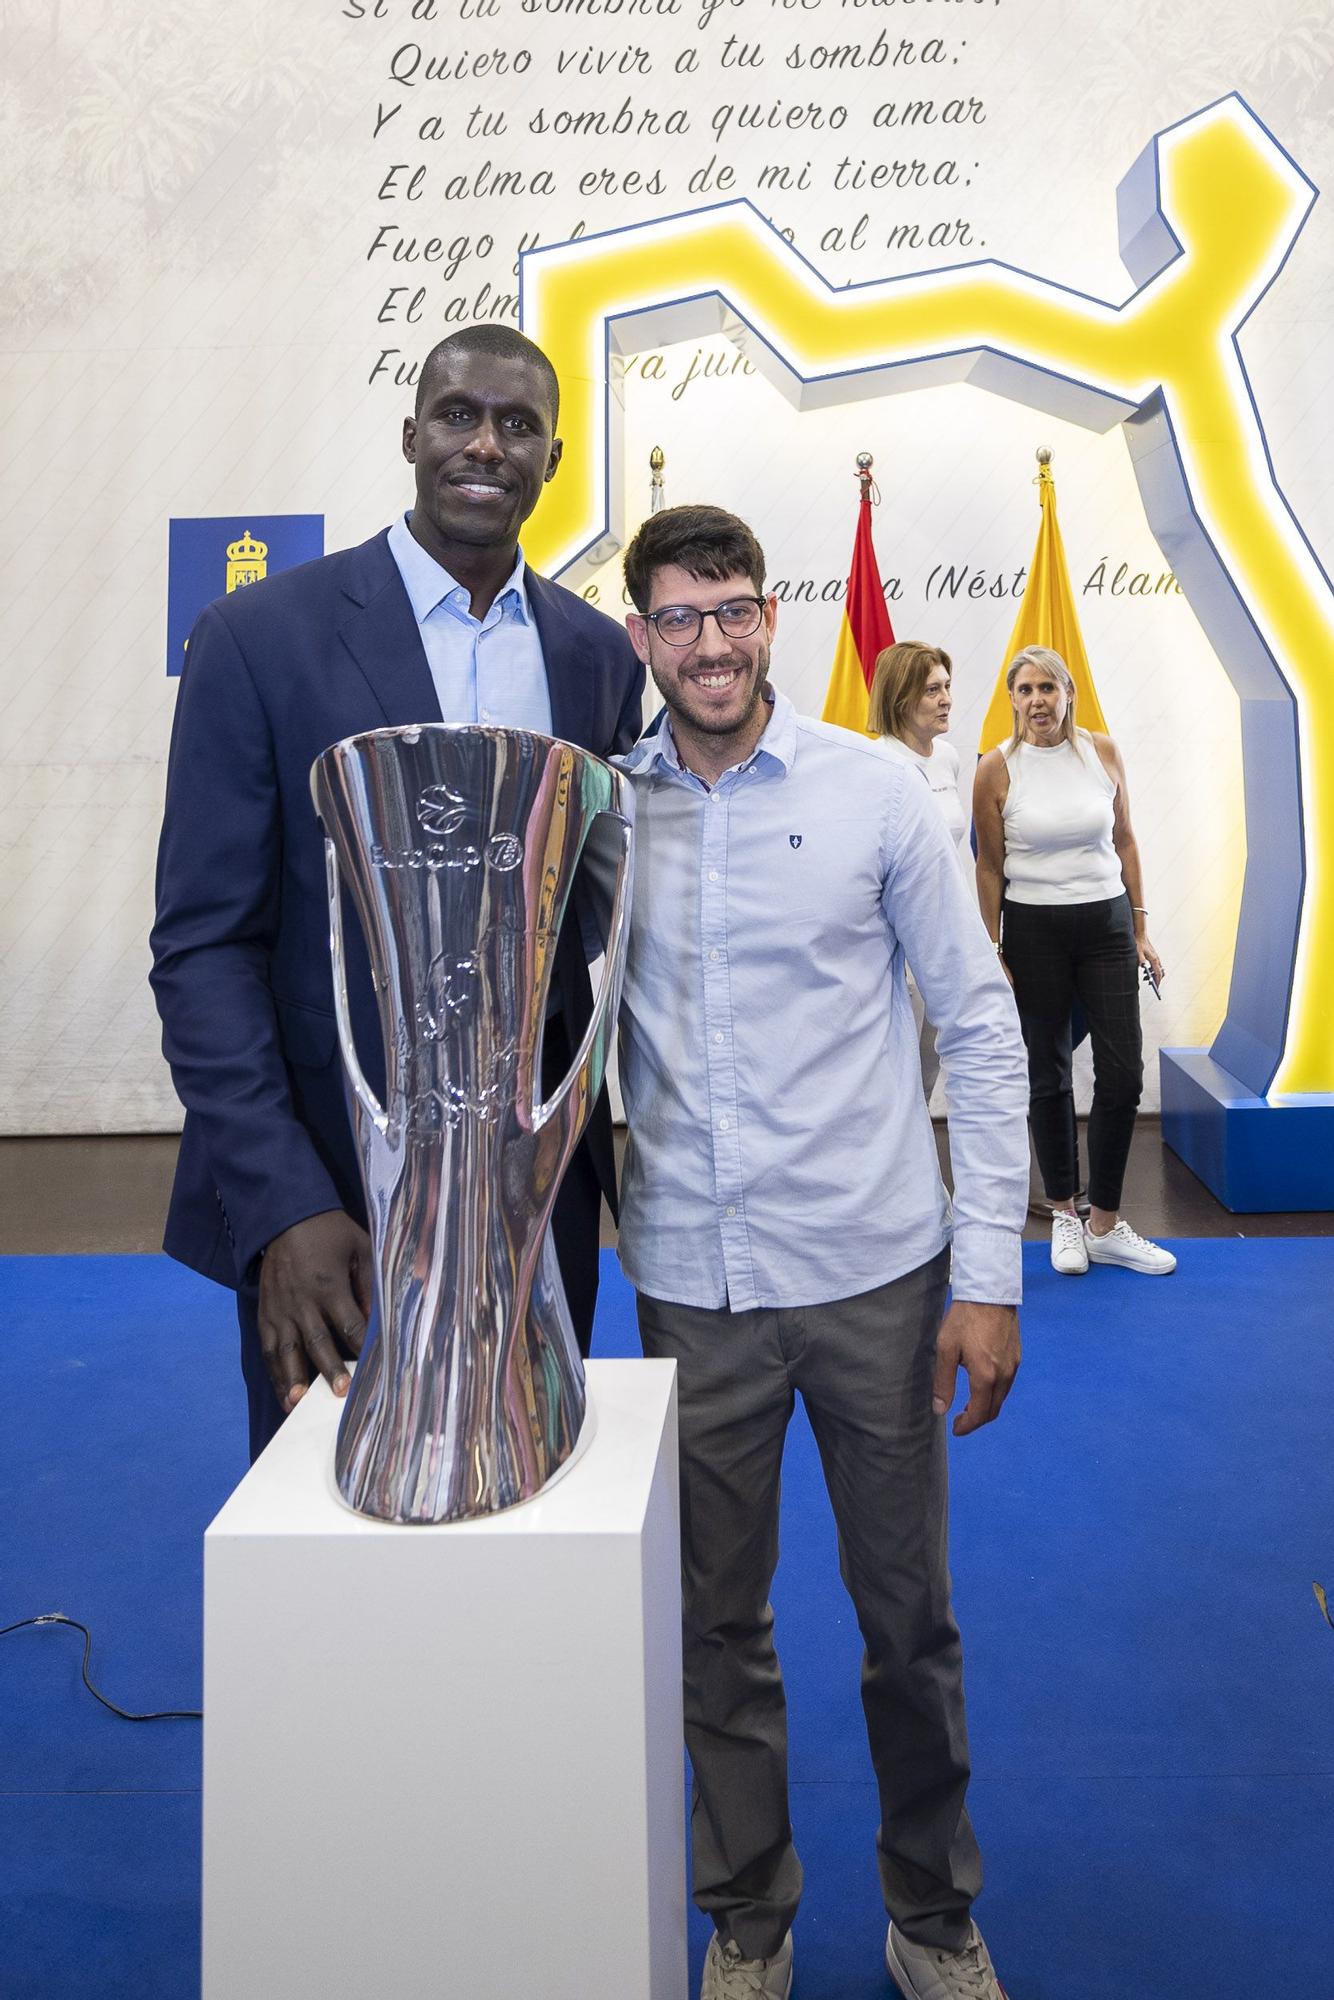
[{"x": 863, "y": 1367}]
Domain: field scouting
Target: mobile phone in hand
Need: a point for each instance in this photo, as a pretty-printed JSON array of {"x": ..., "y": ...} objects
[{"x": 1147, "y": 973}]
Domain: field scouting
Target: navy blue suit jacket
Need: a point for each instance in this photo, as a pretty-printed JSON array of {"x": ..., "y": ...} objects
[{"x": 241, "y": 969}]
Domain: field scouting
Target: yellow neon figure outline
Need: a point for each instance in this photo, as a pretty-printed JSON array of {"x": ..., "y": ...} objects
[{"x": 1233, "y": 201}]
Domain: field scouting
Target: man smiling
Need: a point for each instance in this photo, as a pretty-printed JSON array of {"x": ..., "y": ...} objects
[
  {"x": 785, "y": 1227},
  {"x": 436, "y": 618}
]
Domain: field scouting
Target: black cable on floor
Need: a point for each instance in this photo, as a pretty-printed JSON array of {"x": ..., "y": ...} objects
[{"x": 59, "y": 1618}]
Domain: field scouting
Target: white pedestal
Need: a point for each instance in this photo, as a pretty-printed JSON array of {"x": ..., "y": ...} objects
[{"x": 446, "y": 1763}]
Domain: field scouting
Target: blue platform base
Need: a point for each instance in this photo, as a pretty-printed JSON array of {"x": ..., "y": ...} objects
[{"x": 1258, "y": 1156}]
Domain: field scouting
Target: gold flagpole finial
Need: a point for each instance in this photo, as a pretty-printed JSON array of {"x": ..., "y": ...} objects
[
  {"x": 864, "y": 464},
  {"x": 657, "y": 491}
]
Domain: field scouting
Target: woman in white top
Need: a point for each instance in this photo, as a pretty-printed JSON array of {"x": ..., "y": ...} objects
[
  {"x": 910, "y": 712},
  {"x": 1054, "y": 840}
]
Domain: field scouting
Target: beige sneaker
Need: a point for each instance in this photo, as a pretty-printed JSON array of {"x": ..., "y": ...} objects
[
  {"x": 923, "y": 1973},
  {"x": 729, "y": 1976}
]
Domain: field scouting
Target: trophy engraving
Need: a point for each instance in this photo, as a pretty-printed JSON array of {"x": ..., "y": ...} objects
[
  {"x": 440, "y": 810},
  {"x": 458, "y": 847}
]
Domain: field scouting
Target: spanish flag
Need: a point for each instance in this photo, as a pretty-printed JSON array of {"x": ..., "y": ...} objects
[
  {"x": 865, "y": 629},
  {"x": 1047, "y": 617}
]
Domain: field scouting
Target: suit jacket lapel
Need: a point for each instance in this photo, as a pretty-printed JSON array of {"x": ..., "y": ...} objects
[
  {"x": 380, "y": 632},
  {"x": 569, "y": 679}
]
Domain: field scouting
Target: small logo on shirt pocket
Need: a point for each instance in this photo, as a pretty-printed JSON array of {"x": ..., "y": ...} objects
[{"x": 794, "y": 840}]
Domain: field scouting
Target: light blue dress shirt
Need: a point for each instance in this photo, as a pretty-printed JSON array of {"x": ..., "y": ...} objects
[
  {"x": 485, "y": 670},
  {"x": 780, "y": 1149}
]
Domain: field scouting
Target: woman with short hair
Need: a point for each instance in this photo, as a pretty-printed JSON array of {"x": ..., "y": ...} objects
[{"x": 1059, "y": 885}]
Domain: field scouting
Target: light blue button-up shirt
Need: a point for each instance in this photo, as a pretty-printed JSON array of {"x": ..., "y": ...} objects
[
  {"x": 485, "y": 670},
  {"x": 780, "y": 1149}
]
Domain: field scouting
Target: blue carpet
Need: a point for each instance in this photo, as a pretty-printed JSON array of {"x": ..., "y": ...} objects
[{"x": 1151, "y": 1688}]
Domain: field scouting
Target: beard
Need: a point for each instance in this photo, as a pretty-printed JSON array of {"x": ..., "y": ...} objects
[{"x": 676, "y": 695}]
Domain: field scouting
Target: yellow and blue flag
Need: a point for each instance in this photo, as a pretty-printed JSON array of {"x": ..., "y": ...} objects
[{"x": 1047, "y": 617}]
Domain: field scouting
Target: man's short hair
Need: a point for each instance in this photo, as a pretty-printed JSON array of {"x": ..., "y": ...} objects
[
  {"x": 703, "y": 541},
  {"x": 505, "y": 342}
]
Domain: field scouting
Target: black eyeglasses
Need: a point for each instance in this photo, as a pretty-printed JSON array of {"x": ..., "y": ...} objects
[{"x": 681, "y": 624}]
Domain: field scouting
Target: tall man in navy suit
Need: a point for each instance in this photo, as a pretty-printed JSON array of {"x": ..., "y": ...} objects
[{"x": 436, "y": 618}]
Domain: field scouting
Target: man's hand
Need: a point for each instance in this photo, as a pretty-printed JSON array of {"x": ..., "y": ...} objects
[
  {"x": 984, "y": 1341},
  {"x": 314, "y": 1300}
]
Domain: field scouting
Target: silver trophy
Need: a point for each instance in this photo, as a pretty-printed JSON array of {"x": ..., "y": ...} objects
[{"x": 459, "y": 846}]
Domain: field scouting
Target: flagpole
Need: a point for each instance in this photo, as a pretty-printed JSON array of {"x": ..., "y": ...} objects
[{"x": 864, "y": 629}]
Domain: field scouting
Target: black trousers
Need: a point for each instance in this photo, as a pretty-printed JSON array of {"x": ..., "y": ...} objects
[{"x": 1057, "y": 953}]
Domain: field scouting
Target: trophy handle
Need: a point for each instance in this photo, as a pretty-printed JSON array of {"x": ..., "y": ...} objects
[
  {"x": 590, "y": 1064},
  {"x": 362, "y": 1091}
]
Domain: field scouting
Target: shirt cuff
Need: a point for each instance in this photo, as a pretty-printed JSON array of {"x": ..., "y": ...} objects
[{"x": 987, "y": 1266}]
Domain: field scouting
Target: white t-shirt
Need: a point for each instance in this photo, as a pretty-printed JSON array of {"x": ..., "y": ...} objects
[{"x": 942, "y": 774}]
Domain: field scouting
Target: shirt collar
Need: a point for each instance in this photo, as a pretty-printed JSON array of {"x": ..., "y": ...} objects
[
  {"x": 656, "y": 750},
  {"x": 428, "y": 583}
]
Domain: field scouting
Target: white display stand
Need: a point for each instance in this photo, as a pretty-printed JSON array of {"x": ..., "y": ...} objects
[{"x": 446, "y": 1763}]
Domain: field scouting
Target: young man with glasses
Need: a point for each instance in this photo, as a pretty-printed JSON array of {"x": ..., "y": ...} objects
[{"x": 785, "y": 1227}]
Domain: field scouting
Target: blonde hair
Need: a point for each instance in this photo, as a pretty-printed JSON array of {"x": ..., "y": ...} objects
[
  {"x": 1043, "y": 658},
  {"x": 901, "y": 673}
]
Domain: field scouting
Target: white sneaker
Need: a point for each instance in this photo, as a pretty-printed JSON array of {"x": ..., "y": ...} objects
[
  {"x": 1133, "y": 1252},
  {"x": 1068, "y": 1253},
  {"x": 922, "y": 1973},
  {"x": 729, "y": 1976}
]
